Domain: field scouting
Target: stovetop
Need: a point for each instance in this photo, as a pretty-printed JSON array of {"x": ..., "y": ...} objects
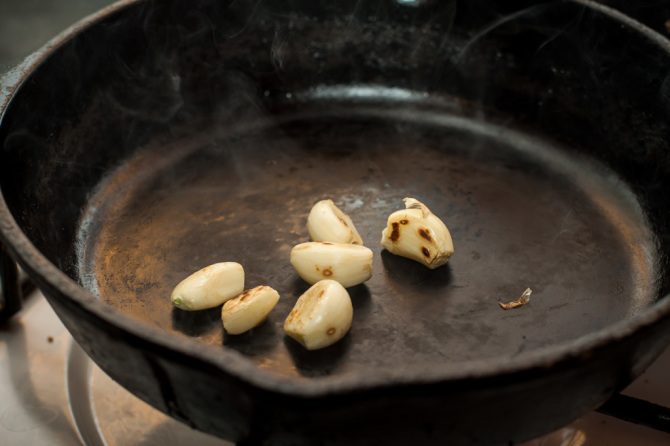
[{"x": 51, "y": 393}]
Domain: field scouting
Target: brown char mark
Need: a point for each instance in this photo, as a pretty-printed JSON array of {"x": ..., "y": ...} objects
[
  {"x": 395, "y": 234},
  {"x": 424, "y": 234}
]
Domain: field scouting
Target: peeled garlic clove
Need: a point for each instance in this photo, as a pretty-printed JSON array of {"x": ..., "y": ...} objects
[
  {"x": 249, "y": 309},
  {"x": 209, "y": 287},
  {"x": 346, "y": 263},
  {"x": 327, "y": 223},
  {"x": 321, "y": 316},
  {"x": 416, "y": 233}
]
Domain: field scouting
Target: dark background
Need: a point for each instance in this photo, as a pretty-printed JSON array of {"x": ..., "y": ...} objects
[{"x": 26, "y": 25}]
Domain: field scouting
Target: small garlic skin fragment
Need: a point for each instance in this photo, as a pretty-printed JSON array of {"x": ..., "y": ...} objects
[
  {"x": 209, "y": 287},
  {"x": 416, "y": 233},
  {"x": 321, "y": 316},
  {"x": 523, "y": 300},
  {"x": 249, "y": 309},
  {"x": 346, "y": 263},
  {"x": 327, "y": 223}
]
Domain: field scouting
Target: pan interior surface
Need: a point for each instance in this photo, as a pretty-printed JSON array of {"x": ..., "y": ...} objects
[{"x": 522, "y": 212}]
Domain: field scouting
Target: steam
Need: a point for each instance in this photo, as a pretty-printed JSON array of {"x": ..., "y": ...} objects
[
  {"x": 278, "y": 49},
  {"x": 193, "y": 69},
  {"x": 150, "y": 93},
  {"x": 530, "y": 11}
]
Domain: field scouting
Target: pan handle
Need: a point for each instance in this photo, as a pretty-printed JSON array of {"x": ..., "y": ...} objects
[
  {"x": 12, "y": 287},
  {"x": 637, "y": 411}
]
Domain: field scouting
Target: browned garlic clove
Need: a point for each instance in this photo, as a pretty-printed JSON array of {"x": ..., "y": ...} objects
[
  {"x": 346, "y": 263},
  {"x": 249, "y": 309},
  {"x": 416, "y": 233},
  {"x": 321, "y": 316},
  {"x": 327, "y": 223}
]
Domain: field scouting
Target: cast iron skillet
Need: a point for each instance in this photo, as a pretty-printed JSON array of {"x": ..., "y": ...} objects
[{"x": 159, "y": 137}]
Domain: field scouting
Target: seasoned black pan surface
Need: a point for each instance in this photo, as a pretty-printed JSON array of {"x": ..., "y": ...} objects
[{"x": 522, "y": 214}]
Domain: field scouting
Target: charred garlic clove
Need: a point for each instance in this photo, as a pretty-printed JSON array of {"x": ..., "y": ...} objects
[
  {"x": 345, "y": 263},
  {"x": 417, "y": 234},
  {"x": 209, "y": 287},
  {"x": 321, "y": 316},
  {"x": 327, "y": 223},
  {"x": 249, "y": 309}
]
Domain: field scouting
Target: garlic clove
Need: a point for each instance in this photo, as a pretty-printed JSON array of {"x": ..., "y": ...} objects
[
  {"x": 249, "y": 309},
  {"x": 321, "y": 316},
  {"x": 346, "y": 263},
  {"x": 327, "y": 223},
  {"x": 416, "y": 233},
  {"x": 209, "y": 287}
]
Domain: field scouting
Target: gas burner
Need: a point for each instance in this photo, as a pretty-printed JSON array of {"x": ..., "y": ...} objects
[{"x": 105, "y": 414}]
